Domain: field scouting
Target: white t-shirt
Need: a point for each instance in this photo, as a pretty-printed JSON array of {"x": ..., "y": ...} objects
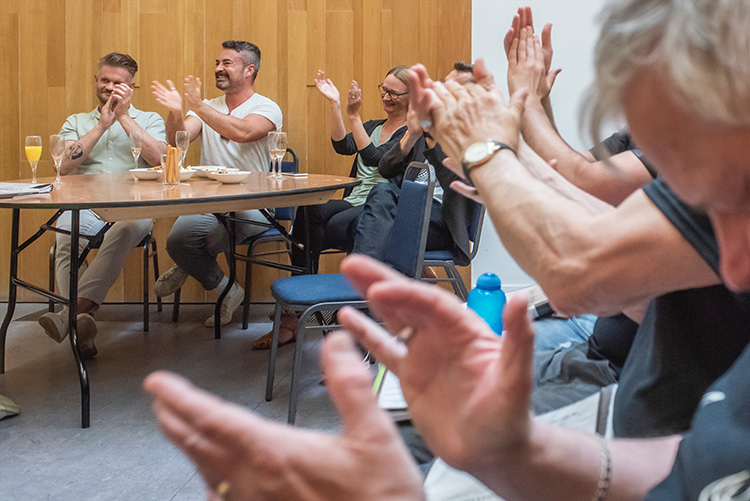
[{"x": 254, "y": 156}]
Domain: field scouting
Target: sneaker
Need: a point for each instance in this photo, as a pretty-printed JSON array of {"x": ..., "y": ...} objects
[
  {"x": 86, "y": 326},
  {"x": 55, "y": 324},
  {"x": 230, "y": 304},
  {"x": 170, "y": 281}
]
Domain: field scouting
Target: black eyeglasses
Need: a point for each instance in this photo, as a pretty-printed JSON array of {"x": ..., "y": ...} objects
[{"x": 390, "y": 93}]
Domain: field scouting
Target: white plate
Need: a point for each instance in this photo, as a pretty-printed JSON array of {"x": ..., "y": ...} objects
[
  {"x": 145, "y": 174},
  {"x": 210, "y": 174},
  {"x": 230, "y": 177},
  {"x": 203, "y": 170}
]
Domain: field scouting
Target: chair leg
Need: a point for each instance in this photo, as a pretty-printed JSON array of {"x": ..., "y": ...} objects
[
  {"x": 246, "y": 301},
  {"x": 155, "y": 257},
  {"x": 51, "y": 274},
  {"x": 296, "y": 368},
  {"x": 176, "y": 306},
  {"x": 272, "y": 354},
  {"x": 458, "y": 284},
  {"x": 145, "y": 287}
]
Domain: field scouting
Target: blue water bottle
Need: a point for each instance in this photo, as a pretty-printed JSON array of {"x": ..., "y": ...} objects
[{"x": 487, "y": 299}]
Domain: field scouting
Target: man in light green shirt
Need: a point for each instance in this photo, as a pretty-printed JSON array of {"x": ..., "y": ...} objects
[{"x": 96, "y": 143}]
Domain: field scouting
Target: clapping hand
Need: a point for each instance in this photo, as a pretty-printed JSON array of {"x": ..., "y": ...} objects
[
  {"x": 468, "y": 389},
  {"x": 326, "y": 87},
  {"x": 167, "y": 96},
  {"x": 122, "y": 94},
  {"x": 243, "y": 456},
  {"x": 460, "y": 115},
  {"x": 354, "y": 99},
  {"x": 542, "y": 65},
  {"x": 192, "y": 87}
]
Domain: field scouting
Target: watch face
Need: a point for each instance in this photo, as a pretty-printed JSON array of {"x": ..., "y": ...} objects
[{"x": 476, "y": 152}]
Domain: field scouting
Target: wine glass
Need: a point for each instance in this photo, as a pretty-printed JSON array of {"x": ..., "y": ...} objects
[
  {"x": 57, "y": 150},
  {"x": 33, "y": 153},
  {"x": 271, "y": 149},
  {"x": 279, "y": 150},
  {"x": 136, "y": 145},
  {"x": 182, "y": 141}
]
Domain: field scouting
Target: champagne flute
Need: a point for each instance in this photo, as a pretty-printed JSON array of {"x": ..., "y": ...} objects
[
  {"x": 57, "y": 150},
  {"x": 182, "y": 141},
  {"x": 279, "y": 150},
  {"x": 33, "y": 153},
  {"x": 136, "y": 145},
  {"x": 271, "y": 149}
]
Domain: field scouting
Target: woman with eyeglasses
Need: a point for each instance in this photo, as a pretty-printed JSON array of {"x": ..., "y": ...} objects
[{"x": 332, "y": 224}]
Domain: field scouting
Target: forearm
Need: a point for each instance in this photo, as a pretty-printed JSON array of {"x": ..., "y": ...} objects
[
  {"x": 361, "y": 138},
  {"x": 338, "y": 130},
  {"x": 541, "y": 135},
  {"x": 175, "y": 122},
  {"x": 78, "y": 151},
  {"x": 395, "y": 161},
  {"x": 566, "y": 464},
  {"x": 586, "y": 261},
  {"x": 230, "y": 127},
  {"x": 152, "y": 148}
]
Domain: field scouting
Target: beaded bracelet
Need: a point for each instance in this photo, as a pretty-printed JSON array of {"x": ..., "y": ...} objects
[{"x": 605, "y": 473}]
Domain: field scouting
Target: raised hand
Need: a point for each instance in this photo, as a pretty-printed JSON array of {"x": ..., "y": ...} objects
[
  {"x": 108, "y": 117},
  {"x": 526, "y": 67},
  {"x": 326, "y": 87},
  {"x": 468, "y": 389},
  {"x": 524, "y": 19},
  {"x": 354, "y": 99},
  {"x": 167, "y": 96},
  {"x": 247, "y": 457},
  {"x": 192, "y": 87},
  {"x": 122, "y": 94}
]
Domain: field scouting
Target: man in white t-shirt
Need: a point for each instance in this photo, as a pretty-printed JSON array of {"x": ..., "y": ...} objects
[{"x": 233, "y": 130}]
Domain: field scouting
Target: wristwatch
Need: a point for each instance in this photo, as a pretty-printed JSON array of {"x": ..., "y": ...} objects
[{"x": 480, "y": 153}]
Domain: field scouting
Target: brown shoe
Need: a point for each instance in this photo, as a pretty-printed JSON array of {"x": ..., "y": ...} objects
[{"x": 287, "y": 333}]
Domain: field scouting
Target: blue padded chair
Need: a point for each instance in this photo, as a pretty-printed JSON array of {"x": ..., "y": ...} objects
[
  {"x": 312, "y": 294},
  {"x": 275, "y": 233},
  {"x": 446, "y": 259}
]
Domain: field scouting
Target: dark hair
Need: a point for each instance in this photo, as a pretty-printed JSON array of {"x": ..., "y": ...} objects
[
  {"x": 117, "y": 60},
  {"x": 463, "y": 66},
  {"x": 249, "y": 52}
]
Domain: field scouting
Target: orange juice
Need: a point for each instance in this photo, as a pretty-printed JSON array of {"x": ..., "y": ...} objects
[{"x": 33, "y": 153}]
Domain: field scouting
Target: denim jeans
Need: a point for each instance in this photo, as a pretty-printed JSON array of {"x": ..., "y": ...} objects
[
  {"x": 196, "y": 240},
  {"x": 554, "y": 333}
]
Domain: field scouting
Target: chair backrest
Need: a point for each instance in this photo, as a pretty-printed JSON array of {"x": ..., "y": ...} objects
[
  {"x": 289, "y": 167},
  {"x": 475, "y": 229},
  {"x": 408, "y": 239}
]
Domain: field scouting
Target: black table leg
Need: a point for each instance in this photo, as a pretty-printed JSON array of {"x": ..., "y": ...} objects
[
  {"x": 75, "y": 219},
  {"x": 12, "y": 289},
  {"x": 228, "y": 225}
]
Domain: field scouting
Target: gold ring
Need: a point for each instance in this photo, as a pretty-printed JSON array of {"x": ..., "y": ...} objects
[
  {"x": 405, "y": 334},
  {"x": 223, "y": 489}
]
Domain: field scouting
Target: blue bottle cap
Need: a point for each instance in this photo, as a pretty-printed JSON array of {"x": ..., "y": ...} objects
[{"x": 489, "y": 281}]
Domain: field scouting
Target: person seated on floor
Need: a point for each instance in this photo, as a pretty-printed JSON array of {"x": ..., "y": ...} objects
[
  {"x": 98, "y": 142},
  {"x": 672, "y": 67},
  {"x": 331, "y": 225},
  {"x": 234, "y": 129}
]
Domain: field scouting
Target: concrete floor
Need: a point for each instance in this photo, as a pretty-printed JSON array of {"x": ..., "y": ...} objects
[{"x": 45, "y": 455}]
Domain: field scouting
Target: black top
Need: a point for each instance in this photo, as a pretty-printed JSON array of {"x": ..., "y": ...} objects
[
  {"x": 370, "y": 154},
  {"x": 458, "y": 210},
  {"x": 713, "y": 461},
  {"x": 686, "y": 341}
]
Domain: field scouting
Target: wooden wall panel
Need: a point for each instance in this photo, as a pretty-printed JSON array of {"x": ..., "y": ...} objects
[{"x": 49, "y": 51}]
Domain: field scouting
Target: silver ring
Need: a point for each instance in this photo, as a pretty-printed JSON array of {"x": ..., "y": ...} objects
[
  {"x": 173, "y": 88},
  {"x": 426, "y": 124}
]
